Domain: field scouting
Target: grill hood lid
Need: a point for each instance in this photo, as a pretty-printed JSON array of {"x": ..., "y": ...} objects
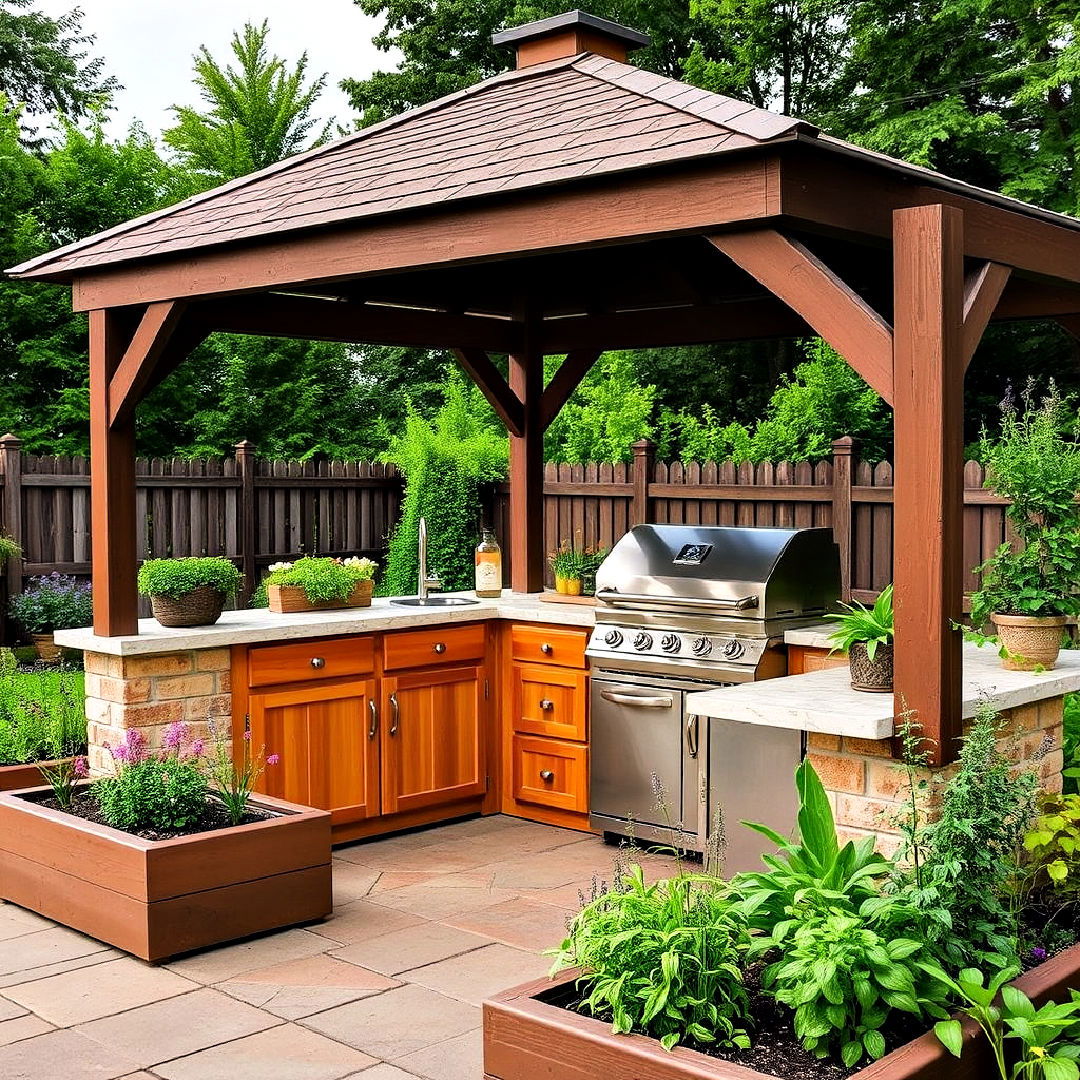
[{"x": 746, "y": 572}]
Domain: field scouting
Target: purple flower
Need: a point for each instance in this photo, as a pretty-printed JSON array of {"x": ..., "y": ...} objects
[
  {"x": 120, "y": 753},
  {"x": 1038, "y": 954},
  {"x": 175, "y": 735},
  {"x": 80, "y": 768},
  {"x": 273, "y": 759},
  {"x": 247, "y": 736},
  {"x": 198, "y": 748}
]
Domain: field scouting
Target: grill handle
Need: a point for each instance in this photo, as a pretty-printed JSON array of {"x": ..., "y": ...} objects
[
  {"x": 610, "y": 596},
  {"x": 634, "y": 699}
]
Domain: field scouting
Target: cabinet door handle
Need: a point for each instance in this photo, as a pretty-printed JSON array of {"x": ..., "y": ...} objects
[
  {"x": 547, "y": 775},
  {"x": 439, "y": 647},
  {"x": 547, "y": 704},
  {"x": 318, "y": 662},
  {"x": 692, "y": 735},
  {"x": 373, "y": 727},
  {"x": 547, "y": 648},
  {"x": 395, "y": 712}
]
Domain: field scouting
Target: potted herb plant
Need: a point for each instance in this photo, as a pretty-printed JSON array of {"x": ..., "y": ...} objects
[
  {"x": 42, "y": 720},
  {"x": 320, "y": 584},
  {"x": 53, "y": 602},
  {"x": 866, "y": 635},
  {"x": 566, "y": 566},
  {"x": 170, "y": 853},
  {"x": 1029, "y": 593},
  {"x": 188, "y": 592}
]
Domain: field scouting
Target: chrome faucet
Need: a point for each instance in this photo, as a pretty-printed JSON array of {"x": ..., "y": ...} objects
[{"x": 426, "y": 582}]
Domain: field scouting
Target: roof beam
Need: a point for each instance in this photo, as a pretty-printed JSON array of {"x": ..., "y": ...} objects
[
  {"x": 494, "y": 387},
  {"x": 982, "y": 291},
  {"x": 275, "y": 315},
  {"x": 564, "y": 382},
  {"x": 835, "y": 311},
  {"x": 129, "y": 382}
]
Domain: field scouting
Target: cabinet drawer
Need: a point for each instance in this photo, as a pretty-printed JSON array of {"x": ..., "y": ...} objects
[
  {"x": 324, "y": 658},
  {"x": 548, "y": 701},
  {"x": 544, "y": 645},
  {"x": 551, "y": 773},
  {"x": 421, "y": 648}
]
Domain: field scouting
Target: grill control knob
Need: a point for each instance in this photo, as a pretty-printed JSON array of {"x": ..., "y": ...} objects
[
  {"x": 613, "y": 638},
  {"x": 702, "y": 646},
  {"x": 642, "y": 641},
  {"x": 670, "y": 643},
  {"x": 734, "y": 649}
]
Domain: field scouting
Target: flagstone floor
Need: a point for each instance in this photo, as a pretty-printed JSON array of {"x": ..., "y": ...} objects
[{"x": 425, "y": 926}]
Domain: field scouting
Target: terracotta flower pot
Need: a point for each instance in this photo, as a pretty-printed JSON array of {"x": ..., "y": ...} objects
[
  {"x": 46, "y": 648},
  {"x": 289, "y": 599},
  {"x": 1031, "y": 642},
  {"x": 200, "y": 607},
  {"x": 874, "y": 676}
]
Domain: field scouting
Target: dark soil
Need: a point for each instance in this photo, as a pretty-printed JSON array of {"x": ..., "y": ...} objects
[{"x": 215, "y": 817}]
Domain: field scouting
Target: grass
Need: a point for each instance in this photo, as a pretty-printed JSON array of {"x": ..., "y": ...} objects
[{"x": 42, "y": 712}]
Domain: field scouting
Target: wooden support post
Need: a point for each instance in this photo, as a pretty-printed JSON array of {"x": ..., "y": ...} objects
[
  {"x": 527, "y": 473},
  {"x": 11, "y": 463},
  {"x": 841, "y": 509},
  {"x": 928, "y": 380},
  {"x": 245, "y": 466},
  {"x": 644, "y": 459},
  {"x": 112, "y": 485}
]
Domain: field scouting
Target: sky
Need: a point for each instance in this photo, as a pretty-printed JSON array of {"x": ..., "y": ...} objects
[{"x": 148, "y": 45}]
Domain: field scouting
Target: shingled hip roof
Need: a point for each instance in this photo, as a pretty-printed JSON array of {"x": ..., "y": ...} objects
[{"x": 560, "y": 121}]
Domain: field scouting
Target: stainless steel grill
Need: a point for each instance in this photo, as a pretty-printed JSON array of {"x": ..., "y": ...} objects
[{"x": 684, "y": 608}]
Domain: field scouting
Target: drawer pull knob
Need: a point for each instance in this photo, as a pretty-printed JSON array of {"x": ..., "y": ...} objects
[
  {"x": 547, "y": 775},
  {"x": 547, "y": 704},
  {"x": 439, "y": 647},
  {"x": 547, "y": 648},
  {"x": 318, "y": 662}
]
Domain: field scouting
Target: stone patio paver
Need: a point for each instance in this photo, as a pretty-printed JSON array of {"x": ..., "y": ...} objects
[
  {"x": 411, "y": 948},
  {"x": 63, "y": 1055},
  {"x": 9, "y": 1010},
  {"x": 361, "y": 920},
  {"x": 436, "y": 902},
  {"x": 116, "y": 986},
  {"x": 44, "y": 948},
  {"x": 457, "y": 1059},
  {"x": 216, "y": 965},
  {"x": 384, "y": 1071},
  {"x": 481, "y": 973},
  {"x": 352, "y": 882},
  {"x": 16, "y": 921},
  {"x": 22, "y": 1027},
  {"x": 522, "y": 922},
  {"x": 288, "y": 1052}
]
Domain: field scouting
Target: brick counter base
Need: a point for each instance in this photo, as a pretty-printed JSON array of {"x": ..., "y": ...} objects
[
  {"x": 151, "y": 692},
  {"x": 867, "y": 790}
]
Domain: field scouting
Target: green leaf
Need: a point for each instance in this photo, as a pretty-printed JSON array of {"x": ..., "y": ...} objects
[
  {"x": 951, "y": 1035},
  {"x": 1017, "y": 1002},
  {"x": 1056, "y": 1068},
  {"x": 1057, "y": 871},
  {"x": 816, "y": 825},
  {"x": 874, "y": 1042},
  {"x": 851, "y": 1053}
]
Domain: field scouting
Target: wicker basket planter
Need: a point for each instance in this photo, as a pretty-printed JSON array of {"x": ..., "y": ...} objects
[
  {"x": 875, "y": 676},
  {"x": 14, "y": 777},
  {"x": 290, "y": 599},
  {"x": 200, "y": 607},
  {"x": 1031, "y": 641},
  {"x": 157, "y": 899},
  {"x": 529, "y": 1037}
]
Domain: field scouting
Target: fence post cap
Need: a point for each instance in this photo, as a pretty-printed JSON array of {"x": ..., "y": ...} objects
[
  {"x": 245, "y": 446},
  {"x": 844, "y": 445},
  {"x": 10, "y": 440},
  {"x": 643, "y": 445}
]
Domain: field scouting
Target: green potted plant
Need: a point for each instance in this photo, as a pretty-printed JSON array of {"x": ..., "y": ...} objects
[
  {"x": 1029, "y": 593},
  {"x": 188, "y": 592},
  {"x": 866, "y": 635},
  {"x": 566, "y": 566},
  {"x": 50, "y": 603},
  {"x": 320, "y": 584}
]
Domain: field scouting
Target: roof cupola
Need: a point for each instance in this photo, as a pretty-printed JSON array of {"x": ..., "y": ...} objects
[{"x": 569, "y": 34}]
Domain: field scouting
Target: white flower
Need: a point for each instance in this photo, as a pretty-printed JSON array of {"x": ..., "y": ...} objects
[
  {"x": 275, "y": 567},
  {"x": 361, "y": 564}
]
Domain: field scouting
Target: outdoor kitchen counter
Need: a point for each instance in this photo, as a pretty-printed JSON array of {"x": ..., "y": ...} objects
[
  {"x": 259, "y": 625},
  {"x": 823, "y": 701}
]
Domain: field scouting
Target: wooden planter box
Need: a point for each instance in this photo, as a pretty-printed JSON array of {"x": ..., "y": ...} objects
[
  {"x": 289, "y": 599},
  {"x": 15, "y": 777},
  {"x": 527, "y": 1038},
  {"x": 156, "y": 899}
]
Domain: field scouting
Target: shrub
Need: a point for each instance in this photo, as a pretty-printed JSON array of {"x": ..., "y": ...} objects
[
  {"x": 177, "y": 577},
  {"x": 164, "y": 791},
  {"x": 1053, "y": 843},
  {"x": 42, "y": 713},
  {"x": 9, "y": 549},
  {"x": 54, "y": 602},
  {"x": 663, "y": 959},
  {"x": 322, "y": 579}
]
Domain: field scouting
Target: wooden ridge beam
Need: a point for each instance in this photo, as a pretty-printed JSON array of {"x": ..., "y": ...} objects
[
  {"x": 309, "y": 318},
  {"x": 494, "y": 387},
  {"x": 834, "y": 310},
  {"x": 564, "y": 382},
  {"x": 982, "y": 292},
  {"x": 1070, "y": 324},
  {"x": 129, "y": 382}
]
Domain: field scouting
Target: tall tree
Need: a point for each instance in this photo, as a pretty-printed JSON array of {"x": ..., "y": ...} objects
[
  {"x": 254, "y": 114},
  {"x": 45, "y": 65}
]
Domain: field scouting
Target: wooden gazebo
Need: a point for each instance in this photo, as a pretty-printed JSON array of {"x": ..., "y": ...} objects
[{"x": 573, "y": 205}]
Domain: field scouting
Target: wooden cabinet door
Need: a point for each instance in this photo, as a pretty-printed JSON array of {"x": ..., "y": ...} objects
[
  {"x": 432, "y": 743},
  {"x": 328, "y": 741}
]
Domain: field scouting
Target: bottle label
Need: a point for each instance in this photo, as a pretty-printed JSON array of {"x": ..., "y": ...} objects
[{"x": 488, "y": 576}]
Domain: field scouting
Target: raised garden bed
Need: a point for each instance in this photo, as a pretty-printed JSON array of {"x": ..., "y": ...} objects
[
  {"x": 159, "y": 898},
  {"x": 529, "y": 1035},
  {"x": 16, "y": 777}
]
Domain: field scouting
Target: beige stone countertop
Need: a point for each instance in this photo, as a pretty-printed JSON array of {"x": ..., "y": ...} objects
[
  {"x": 823, "y": 701},
  {"x": 260, "y": 625},
  {"x": 813, "y": 637}
]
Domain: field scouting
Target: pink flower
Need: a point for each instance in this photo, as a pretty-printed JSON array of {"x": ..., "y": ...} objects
[
  {"x": 273, "y": 759},
  {"x": 120, "y": 753},
  {"x": 80, "y": 768},
  {"x": 175, "y": 735},
  {"x": 198, "y": 748},
  {"x": 247, "y": 736}
]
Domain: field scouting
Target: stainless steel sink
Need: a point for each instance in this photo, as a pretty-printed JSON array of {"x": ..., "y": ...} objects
[{"x": 434, "y": 601}]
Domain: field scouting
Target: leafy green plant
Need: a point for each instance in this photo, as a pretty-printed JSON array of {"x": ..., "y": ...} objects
[
  {"x": 1042, "y": 1040},
  {"x": 322, "y": 579},
  {"x": 63, "y": 778},
  {"x": 1070, "y": 744},
  {"x": 53, "y": 602},
  {"x": 42, "y": 713},
  {"x": 814, "y": 873},
  {"x": 663, "y": 959},
  {"x": 872, "y": 626},
  {"x": 177, "y": 577},
  {"x": 845, "y": 973},
  {"x": 1053, "y": 844},
  {"x": 234, "y": 782},
  {"x": 9, "y": 549}
]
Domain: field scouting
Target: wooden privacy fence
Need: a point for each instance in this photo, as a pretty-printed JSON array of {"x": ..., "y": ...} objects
[{"x": 256, "y": 511}]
